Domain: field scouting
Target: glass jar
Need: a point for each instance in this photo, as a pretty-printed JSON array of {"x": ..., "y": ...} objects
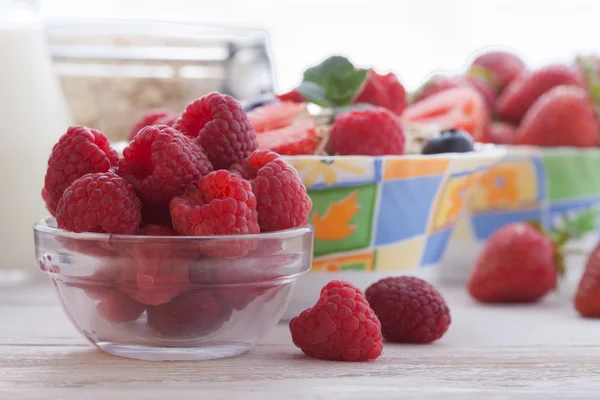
[
  {"x": 32, "y": 118},
  {"x": 113, "y": 71}
]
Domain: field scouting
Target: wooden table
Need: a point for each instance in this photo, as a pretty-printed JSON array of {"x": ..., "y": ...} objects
[{"x": 530, "y": 352}]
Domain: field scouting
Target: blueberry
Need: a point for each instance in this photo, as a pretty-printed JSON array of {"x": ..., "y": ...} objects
[
  {"x": 450, "y": 141},
  {"x": 259, "y": 102}
]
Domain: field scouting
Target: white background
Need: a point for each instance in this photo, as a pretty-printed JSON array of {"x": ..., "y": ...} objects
[{"x": 413, "y": 38}]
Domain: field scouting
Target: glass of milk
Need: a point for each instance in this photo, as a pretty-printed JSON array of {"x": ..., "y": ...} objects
[{"x": 33, "y": 115}]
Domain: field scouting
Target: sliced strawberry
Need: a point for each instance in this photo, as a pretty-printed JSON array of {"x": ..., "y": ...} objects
[
  {"x": 286, "y": 128},
  {"x": 275, "y": 115},
  {"x": 460, "y": 108}
]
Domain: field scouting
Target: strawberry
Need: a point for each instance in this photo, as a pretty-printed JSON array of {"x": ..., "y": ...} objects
[
  {"x": 460, "y": 108},
  {"x": 500, "y": 133},
  {"x": 500, "y": 66},
  {"x": 384, "y": 91},
  {"x": 518, "y": 97},
  {"x": 286, "y": 128},
  {"x": 293, "y": 96},
  {"x": 563, "y": 116},
  {"x": 587, "y": 299},
  {"x": 518, "y": 264},
  {"x": 441, "y": 83}
]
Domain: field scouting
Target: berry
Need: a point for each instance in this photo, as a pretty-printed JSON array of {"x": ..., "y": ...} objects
[
  {"x": 282, "y": 201},
  {"x": 450, "y": 141},
  {"x": 563, "y": 116},
  {"x": 503, "y": 66},
  {"x": 500, "y": 133},
  {"x": 222, "y": 203},
  {"x": 243, "y": 170},
  {"x": 369, "y": 132},
  {"x": 190, "y": 314},
  {"x": 78, "y": 152},
  {"x": 259, "y": 102},
  {"x": 293, "y": 96},
  {"x": 518, "y": 265},
  {"x": 156, "y": 230},
  {"x": 384, "y": 91},
  {"x": 286, "y": 128},
  {"x": 155, "y": 214},
  {"x": 113, "y": 285},
  {"x": 410, "y": 309},
  {"x": 460, "y": 108},
  {"x": 519, "y": 96},
  {"x": 587, "y": 299},
  {"x": 101, "y": 202},
  {"x": 161, "y": 162},
  {"x": 159, "y": 116},
  {"x": 340, "y": 327},
  {"x": 116, "y": 306},
  {"x": 244, "y": 280},
  {"x": 163, "y": 268},
  {"x": 439, "y": 84},
  {"x": 221, "y": 127}
]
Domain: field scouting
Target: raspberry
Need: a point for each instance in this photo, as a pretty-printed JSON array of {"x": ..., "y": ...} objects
[
  {"x": 111, "y": 284},
  {"x": 384, "y": 91},
  {"x": 101, "y": 202},
  {"x": 221, "y": 204},
  {"x": 243, "y": 169},
  {"x": 116, "y": 306},
  {"x": 282, "y": 201},
  {"x": 370, "y": 132},
  {"x": 157, "y": 230},
  {"x": 156, "y": 214},
  {"x": 163, "y": 269},
  {"x": 161, "y": 162},
  {"x": 157, "y": 116},
  {"x": 221, "y": 127},
  {"x": 192, "y": 313},
  {"x": 340, "y": 327},
  {"x": 410, "y": 309},
  {"x": 78, "y": 152},
  {"x": 244, "y": 280}
]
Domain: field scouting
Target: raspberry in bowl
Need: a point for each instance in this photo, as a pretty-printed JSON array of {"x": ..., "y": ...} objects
[
  {"x": 172, "y": 297},
  {"x": 184, "y": 245}
]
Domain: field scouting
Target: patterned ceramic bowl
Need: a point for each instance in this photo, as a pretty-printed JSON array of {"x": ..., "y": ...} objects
[
  {"x": 379, "y": 216},
  {"x": 559, "y": 188}
]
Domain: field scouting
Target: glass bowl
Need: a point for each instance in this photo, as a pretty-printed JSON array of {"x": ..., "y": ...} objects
[{"x": 173, "y": 297}]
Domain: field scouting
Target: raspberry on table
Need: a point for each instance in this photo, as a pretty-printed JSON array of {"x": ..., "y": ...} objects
[
  {"x": 282, "y": 201},
  {"x": 340, "y": 327},
  {"x": 370, "y": 132},
  {"x": 101, "y": 202},
  {"x": 222, "y": 203},
  {"x": 192, "y": 313},
  {"x": 410, "y": 309},
  {"x": 221, "y": 127},
  {"x": 159, "y": 116},
  {"x": 161, "y": 162},
  {"x": 163, "y": 269},
  {"x": 78, "y": 152}
]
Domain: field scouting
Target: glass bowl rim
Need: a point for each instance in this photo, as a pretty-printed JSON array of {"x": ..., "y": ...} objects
[{"x": 45, "y": 226}]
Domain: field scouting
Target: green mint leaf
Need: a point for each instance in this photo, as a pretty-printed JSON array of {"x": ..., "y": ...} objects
[
  {"x": 339, "y": 80},
  {"x": 314, "y": 93}
]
